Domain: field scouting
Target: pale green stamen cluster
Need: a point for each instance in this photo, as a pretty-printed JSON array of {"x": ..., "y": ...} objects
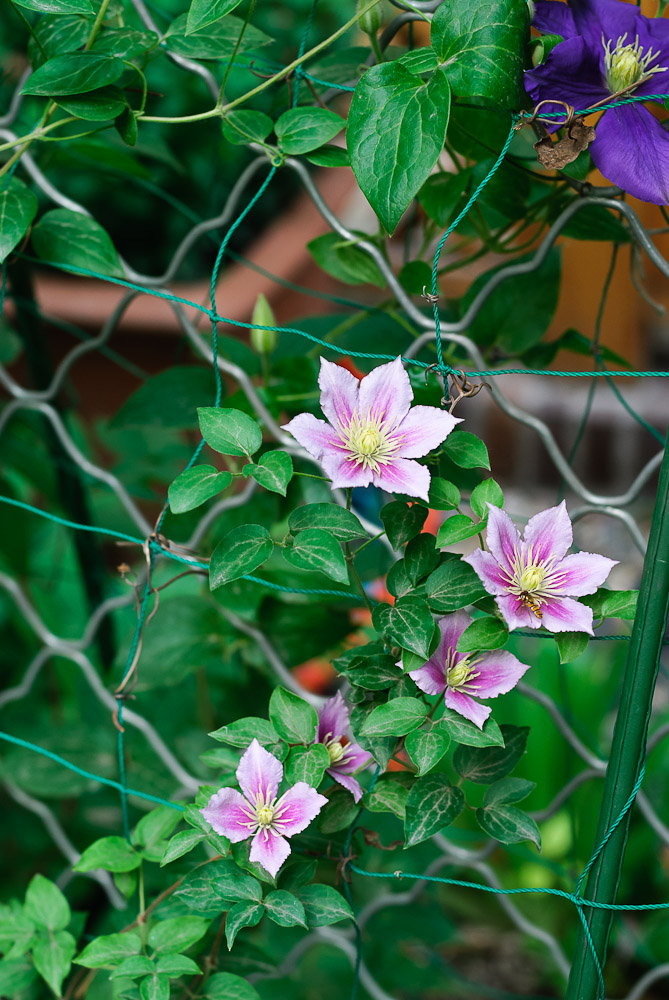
[
  {"x": 369, "y": 441},
  {"x": 460, "y": 675},
  {"x": 338, "y": 754},
  {"x": 626, "y": 65},
  {"x": 533, "y": 579},
  {"x": 264, "y": 813}
]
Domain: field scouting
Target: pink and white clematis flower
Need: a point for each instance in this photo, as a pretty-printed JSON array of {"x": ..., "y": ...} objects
[
  {"x": 533, "y": 580},
  {"x": 372, "y": 433},
  {"x": 463, "y": 678},
  {"x": 345, "y": 758},
  {"x": 258, "y": 813}
]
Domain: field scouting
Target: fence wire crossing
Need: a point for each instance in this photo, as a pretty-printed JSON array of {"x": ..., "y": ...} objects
[{"x": 435, "y": 331}]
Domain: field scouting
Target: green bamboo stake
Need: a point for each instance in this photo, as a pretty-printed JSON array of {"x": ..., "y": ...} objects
[{"x": 629, "y": 747}]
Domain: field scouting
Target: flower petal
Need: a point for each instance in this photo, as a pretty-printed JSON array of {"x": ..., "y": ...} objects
[
  {"x": 488, "y": 571},
  {"x": 583, "y": 573},
  {"x": 497, "y": 673},
  {"x": 332, "y": 719},
  {"x": 610, "y": 18},
  {"x": 354, "y": 759},
  {"x": 554, "y": 18},
  {"x": 571, "y": 73},
  {"x": 451, "y": 628},
  {"x": 313, "y": 434},
  {"x": 230, "y": 815},
  {"x": 502, "y": 537},
  {"x": 349, "y": 783},
  {"x": 516, "y": 614},
  {"x": 343, "y": 472},
  {"x": 339, "y": 393},
  {"x": 404, "y": 476},
  {"x": 423, "y": 429},
  {"x": 632, "y": 151},
  {"x": 270, "y": 850},
  {"x": 259, "y": 773},
  {"x": 563, "y": 614},
  {"x": 467, "y": 707},
  {"x": 296, "y": 808},
  {"x": 549, "y": 533},
  {"x": 430, "y": 678},
  {"x": 386, "y": 392}
]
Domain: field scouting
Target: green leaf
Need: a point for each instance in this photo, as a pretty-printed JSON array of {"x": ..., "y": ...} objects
[
  {"x": 440, "y": 195},
  {"x": 390, "y": 794},
  {"x": 169, "y": 399},
  {"x": 126, "y": 126},
  {"x": 396, "y": 131},
  {"x": 204, "y": 12},
  {"x": 369, "y": 667},
  {"x": 323, "y": 905},
  {"x": 180, "y": 844},
  {"x": 195, "y": 486},
  {"x": 109, "y": 950},
  {"x": 466, "y": 450},
  {"x": 508, "y": 825},
  {"x": 483, "y": 48},
  {"x": 318, "y": 550},
  {"x": 307, "y": 764},
  {"x": 409, "y": 623},
  {"x": 226, "y": 986},
  {"x": 175, "y": 966},
  {"x": 177, "y": 933},
  {"x": 285, "y": 909},
  {"x": 339, "y": 813},
  {"x": 98, "y": 106},
  {"x": 46, "y": 905},
  {"x": 73, "y": 73},
  {"x": 443, "y": 495},
  {"x": 571, "y": 645},
  {"x": 452, "y": 586},
  {"x": 486, "y": 764},
  {"x": 18, "y": 206},
  {"x": 73, "y": 239},
  {"x": 338, "y": 521},
  {"x": 242, "y": 732},
  {"x": 241, "y": 127},
  {"x": 242, "y": 550},
  {"x": 229, "y": 432},
  {"x": 114, "y": 854},
  {"x": 508, "y": 790},
  {"x": 517, "y": 312},
  {"x": 484, "y": 633},
  {"x": 52, "y": 955},
  {"x": 486, "y": 492},
  {"x": 133, "y": 968},
  {"x": 456, "y": 528},
  {"x": 329, "y": 156},
  {"x": 55, "y": 34},
  {"x": 239, "y": 916},
  {"x": 216, "y": 41},
  {"x": 58, "y": 6},
  {"x": 222, "y": 885},
  {"x": 274, "y": 471},
  {"x": 463, "y": 731},
  {"x": 402, "y": 521},
  {"x": 156, "y": 826},
  {"x": 594, "y": 222},
  {"x": 127, "y": 43},
  {"x": 426, "y": 747},
  {"x": 433, "y": 803},
  {"x": 17, "y": 976},
  {"x": 294, "y": 719},
  {"x": 155, "y": 987},
  {"x": 300, "y": 130},
  {"x": 345, "y": 261},
  {"x": 613, "y": 603},
  {"x": 396, "y": 718}
]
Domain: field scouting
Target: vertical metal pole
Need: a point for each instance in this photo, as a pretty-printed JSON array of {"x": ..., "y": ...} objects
[{"x": 629, "y": 743}]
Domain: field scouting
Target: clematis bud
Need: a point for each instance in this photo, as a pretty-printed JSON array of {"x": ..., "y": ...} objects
[
  {"x": 263, "y": 341},
  {"x": 371, "y": 20}
]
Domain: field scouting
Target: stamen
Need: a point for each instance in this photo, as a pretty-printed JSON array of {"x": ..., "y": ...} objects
[
  {"x": 369, "y": 441},
  {"x": 626, "y": 66}
]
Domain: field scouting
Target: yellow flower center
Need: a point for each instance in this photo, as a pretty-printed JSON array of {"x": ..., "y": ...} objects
[
  {"x": 265, "y": 815},
  {"x": 626, "y": 66},
  {"x": 335, "y": 750},
  {"x": 458, "y": 675},
  {"x": 532, "y": 577},
  {"x": 368, "y": 441}
]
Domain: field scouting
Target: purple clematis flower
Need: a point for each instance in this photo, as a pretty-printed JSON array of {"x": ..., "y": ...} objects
[
  {"x": 459, "y": 676},
  {"x": 610, "y": 48},
  {"x": 345, "y": 758},
  {"x": 533, "y": 580},
  {"x": 372, "y": 433},
  {"x": 258, "y": 813}
]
